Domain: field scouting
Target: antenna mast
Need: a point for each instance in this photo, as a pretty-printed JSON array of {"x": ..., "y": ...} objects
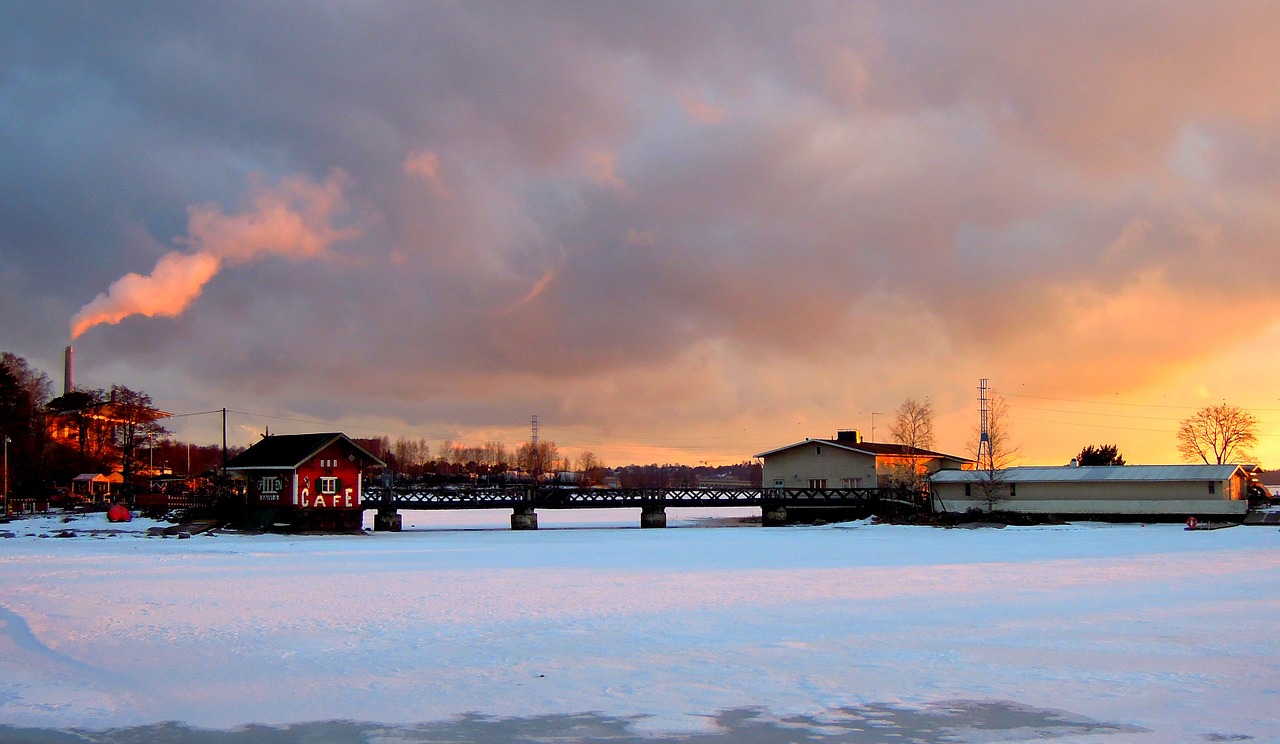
[
  {"x": 984, "y": 428},
  {"x": 537, "y": 452}
]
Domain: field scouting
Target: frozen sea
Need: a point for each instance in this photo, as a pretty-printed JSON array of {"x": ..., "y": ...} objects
[{"x": 593, "y": 630}]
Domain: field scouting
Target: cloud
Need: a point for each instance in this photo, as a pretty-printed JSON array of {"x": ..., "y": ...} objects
[
  {"x": 700, "y": 110},
  {"x": 767, "y": 219},
  {"x": 426, "y": 166},
  {"x": 601, "y": 169},
  {"x": 293, "y": 220}
]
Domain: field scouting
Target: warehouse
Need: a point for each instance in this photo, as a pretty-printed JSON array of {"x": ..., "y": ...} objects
[{"x": 1138, "y": 491}]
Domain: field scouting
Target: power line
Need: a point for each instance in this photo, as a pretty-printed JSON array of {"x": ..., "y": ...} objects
[
  {"x": 1119, "y": 403},
  {"x": 1085, "y": 423},
  {"x": 1110, "y": 426},
  {"x": 194, "y": 413},
  {"x": 1092, "y": 413}
]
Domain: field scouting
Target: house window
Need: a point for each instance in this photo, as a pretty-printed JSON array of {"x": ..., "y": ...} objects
[
  {"x": 851, "y": 483},
  {"x": 817, "y": 450},
  {"x": 1211, "y": 485},
  {"x": 966, "y": 490},
  {"x": 1013, "y": 489},
  {"x": 328, "y": 485},
  {"x": 817, "y": 483}
]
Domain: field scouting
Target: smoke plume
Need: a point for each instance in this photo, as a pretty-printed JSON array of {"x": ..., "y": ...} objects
[{"x": 294, "y": 219}]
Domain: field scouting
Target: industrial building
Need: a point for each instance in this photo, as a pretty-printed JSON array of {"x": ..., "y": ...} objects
[{"x": 1117, "y": 491}]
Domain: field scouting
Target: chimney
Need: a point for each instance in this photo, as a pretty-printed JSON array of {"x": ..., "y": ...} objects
[
  {"x": 68, "y": 370},
  {"x": 849, "y": 436}
]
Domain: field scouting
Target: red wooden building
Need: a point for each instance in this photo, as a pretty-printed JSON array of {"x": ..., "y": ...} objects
[{"x": 312, "y": 481}]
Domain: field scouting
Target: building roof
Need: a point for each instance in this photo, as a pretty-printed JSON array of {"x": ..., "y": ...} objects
[
  {"x": 875, "y": 449},
  {"x": 112, "y": 477},
  {"x": 1095, "y": 473},
  {"x": 291, "y": 451}
]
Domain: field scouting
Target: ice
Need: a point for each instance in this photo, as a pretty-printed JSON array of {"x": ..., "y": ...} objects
[{"x": 1163, "y": 632}]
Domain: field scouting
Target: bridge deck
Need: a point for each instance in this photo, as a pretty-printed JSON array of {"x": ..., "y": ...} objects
[{"x": 469, "y": 497}]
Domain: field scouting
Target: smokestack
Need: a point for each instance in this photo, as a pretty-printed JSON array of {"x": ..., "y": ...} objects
[{"x": 68, "y": 370}]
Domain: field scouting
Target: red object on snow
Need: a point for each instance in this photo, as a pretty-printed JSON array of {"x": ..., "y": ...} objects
[{"x": 119, "y": 513}]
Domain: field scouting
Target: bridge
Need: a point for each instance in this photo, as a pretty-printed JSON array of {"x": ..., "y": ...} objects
[{"x": 525, "y": 501}]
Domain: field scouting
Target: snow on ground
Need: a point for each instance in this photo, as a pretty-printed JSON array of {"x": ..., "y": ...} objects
[{"x": 1167, "y": 634}]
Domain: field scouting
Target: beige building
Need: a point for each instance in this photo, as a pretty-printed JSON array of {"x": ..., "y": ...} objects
[
  {"x": 1121, "y": 490},
  {"x": 849, "y": 462}
]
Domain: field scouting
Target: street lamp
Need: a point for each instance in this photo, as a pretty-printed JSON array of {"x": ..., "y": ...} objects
[{"x": 6, "y": 474}]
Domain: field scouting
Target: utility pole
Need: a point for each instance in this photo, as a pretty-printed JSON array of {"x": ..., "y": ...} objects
[
  {"x": 6, "y": 475},
  {"x": 224, "y": 446}
]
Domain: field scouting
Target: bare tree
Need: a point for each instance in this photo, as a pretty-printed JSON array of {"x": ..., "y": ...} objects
[
  {"x": 537, "y": 460},
  {"x": 913, "y": 424},
  {"x": 913, "y": 427},
  {"x": 587, "y": 464},
  {"x": 135, "y": 418},
  {"x": 410, "y": 455},
  {"x": 996, "y": 456},
  {"x": 496, "y": 456},
  {"x": 1218, "y": 434}
]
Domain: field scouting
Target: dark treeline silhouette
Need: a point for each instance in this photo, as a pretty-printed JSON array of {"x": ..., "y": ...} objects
[{"x": 86, "y": 430}]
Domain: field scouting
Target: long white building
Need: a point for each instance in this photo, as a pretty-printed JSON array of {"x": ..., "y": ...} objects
[{"x": 1117, "y": 490}]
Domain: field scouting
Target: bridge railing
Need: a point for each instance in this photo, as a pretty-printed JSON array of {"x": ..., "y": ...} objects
[{"x": 574, "y": 497}]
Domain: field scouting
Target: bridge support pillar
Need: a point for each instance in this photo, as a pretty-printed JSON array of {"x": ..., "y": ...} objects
[
  {"x": 653, "y": 516},
  {"x": 386, "y": 520},
  {"x": 773, "y": 515},
  {"x": 524, "y": 518}
]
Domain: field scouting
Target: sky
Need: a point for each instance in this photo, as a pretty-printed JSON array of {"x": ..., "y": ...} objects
[{"x": 674, "y": 232}]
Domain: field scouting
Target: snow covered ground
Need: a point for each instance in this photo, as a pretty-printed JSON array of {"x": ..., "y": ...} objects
[{"x": 596, "y": 630}]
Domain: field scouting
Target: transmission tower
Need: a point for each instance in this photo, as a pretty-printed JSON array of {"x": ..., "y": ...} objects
[
  {"x": 537, "y": 451},
  {"x": 984, "y": 428}
]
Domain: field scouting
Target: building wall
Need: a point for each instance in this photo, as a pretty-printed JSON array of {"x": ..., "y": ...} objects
[
  {"x": 270, "y": 487},
  {"x": 317, "y": 487},
  {"x": 1104, "y": 497},
  {"x": 818, "y": 461}
]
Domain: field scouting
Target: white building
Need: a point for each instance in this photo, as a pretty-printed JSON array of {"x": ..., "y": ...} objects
[{"x": 1118, "y": 490}]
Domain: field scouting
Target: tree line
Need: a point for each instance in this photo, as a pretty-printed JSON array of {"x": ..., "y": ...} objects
[
  {"x": 51, "y": 439},
  {"x": 412, "y": 460}
]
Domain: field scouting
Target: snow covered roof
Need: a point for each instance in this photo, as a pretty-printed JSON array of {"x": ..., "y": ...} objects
[
  {"x": 1097, "y": 473},
  {"x": 291, "y": 451}
]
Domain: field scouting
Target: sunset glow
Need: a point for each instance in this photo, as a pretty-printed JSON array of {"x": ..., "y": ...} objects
[{"x": 676, "y": 233}]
